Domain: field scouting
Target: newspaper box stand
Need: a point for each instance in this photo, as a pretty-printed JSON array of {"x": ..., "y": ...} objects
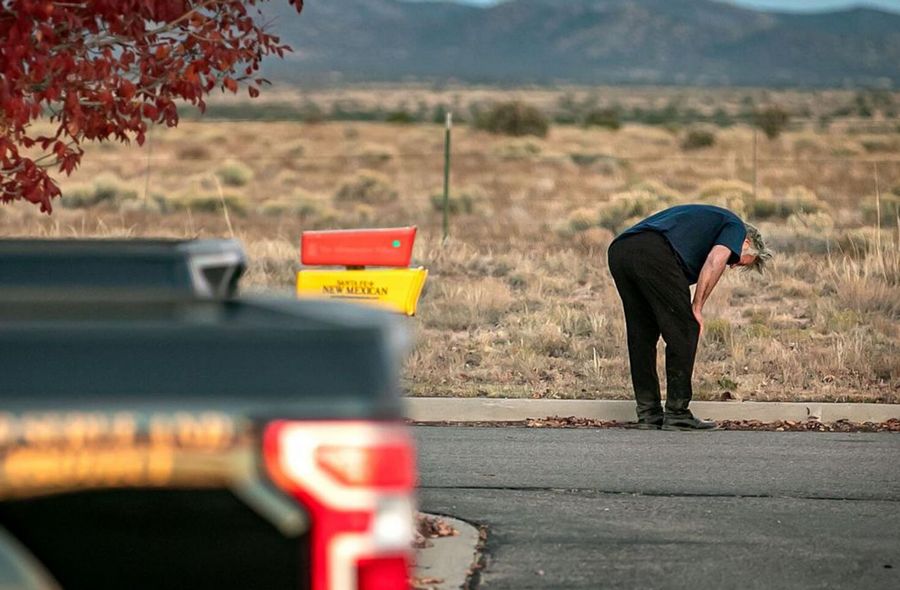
[{"x": 396, "y": 287}]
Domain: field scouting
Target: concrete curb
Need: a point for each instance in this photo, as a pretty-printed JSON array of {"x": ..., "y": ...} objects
[
  {"x": 449, "y": 559},
  {"x": 446, "y": 409}
]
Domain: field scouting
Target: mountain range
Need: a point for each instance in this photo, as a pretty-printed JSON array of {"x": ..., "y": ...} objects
[{"x": 688, "y": 42}]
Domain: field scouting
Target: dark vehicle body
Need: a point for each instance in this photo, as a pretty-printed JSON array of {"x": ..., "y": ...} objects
[{"x": 158, "y": 431}]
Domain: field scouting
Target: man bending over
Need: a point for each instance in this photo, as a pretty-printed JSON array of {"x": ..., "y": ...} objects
[{"x": 653, "y": 265}]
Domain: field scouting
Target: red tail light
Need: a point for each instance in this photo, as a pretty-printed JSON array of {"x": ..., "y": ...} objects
[
  {"x": 391, "y": 466},
  {"x": 355, "y": 479},
  {"x": 385, "y": 573}
]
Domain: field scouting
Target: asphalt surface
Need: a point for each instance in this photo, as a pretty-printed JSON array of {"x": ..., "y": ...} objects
[{"x": 638, "y": 509}]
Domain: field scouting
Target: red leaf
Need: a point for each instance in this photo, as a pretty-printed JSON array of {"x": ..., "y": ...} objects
[
  {"x": 126, "y": 89},
  {"x": 73, "y": 126},
  {"x": 150, "y": 111}
]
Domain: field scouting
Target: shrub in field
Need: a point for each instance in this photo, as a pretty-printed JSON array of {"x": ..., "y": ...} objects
[
  {"x": 880, "y": 145},
  {"x": 718, "y": 331},
  {"x": 623, "y": 208},
  {"x": 697, "y": 139},
  {"x": 721, "y": 118},
  {"x": 106, "y": 188},
  {"x": 233, "y": 173},
  {"x": 513, "y": 118},
  {"x": 585, "y": 159},
  {"x": 462, "y": 202},
  {"x": 564, "y": 118},
  {"x": 193, "y": 151},
  {"x": 819, "y": 223},
  {"x": 518, "y": 150},
  {"x": 450, "y": 306},
  {"x": 732, "y": 201},
  {"x": 799, "y": 199},
  {"x": 734, "y": 195},
  {"x": 310, "y": 112},
  {"x": 765, "y": 208},
  {"x": 815, "y": 233},
  {"x": 77, "y": 197},
  {"x": 354, "y": 110},
  {"x": 667, "y": 116},
  {"x": 547, "y": 340},
  {"x": 274, "y": 262},
  {"x": 869, "y": 283},
  {"x": 109, "y": 188},
  {"x": 606, "y": 118},
  {"x": 296, "y": 206},
  {"x": 295, "y": 150},
  {"x": 314, "y": 215},
  {"x": 658, "y": 188},
  {"x": 594, "y": 239},
  {"x": 489, "y": 265},
  {"x": 212, "y": 203},
  {"x": 796, "y": 199},
  {"x": 360, "y": 215},
  {"x": 400, "y": 117},
  {"x": 156, "y": 203},
  {"x": 772, "y": 120},
  {"x": 367, "y": 186},
  {"x": 890, "y": 209},
  {"x": 372, "y": 155},
  {"x": 599, "y": 163},
  {"x": 838, "y": 321},
  {"x": 809, "y": 145},
  {"x": 758, "y": 331},
  {"x": 846, "y": 150},
  {"x": 582, "y": 218},
  {"x": 787, "y": 240},
  {"x": 439, "y": 114}
]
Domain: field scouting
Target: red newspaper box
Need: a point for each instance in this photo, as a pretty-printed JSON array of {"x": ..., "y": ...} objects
[{"x": 358, "y": 247}]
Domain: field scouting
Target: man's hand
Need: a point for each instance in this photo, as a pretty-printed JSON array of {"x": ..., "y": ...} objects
[{"x": 709, "y": 275}]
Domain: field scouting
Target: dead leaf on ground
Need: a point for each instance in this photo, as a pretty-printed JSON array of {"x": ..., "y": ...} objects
[
  {"x": 431, "y": 527},
  {"x": 425, "y": 583}
]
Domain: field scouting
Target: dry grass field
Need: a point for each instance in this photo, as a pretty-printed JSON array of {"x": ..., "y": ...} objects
[{"x": 519, "y": 300}]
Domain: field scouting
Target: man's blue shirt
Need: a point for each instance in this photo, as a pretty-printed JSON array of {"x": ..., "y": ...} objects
[{"x": 692, "y": 231}]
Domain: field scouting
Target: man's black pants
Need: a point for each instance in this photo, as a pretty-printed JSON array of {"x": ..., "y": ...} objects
[{"x": 657, "y": 300}]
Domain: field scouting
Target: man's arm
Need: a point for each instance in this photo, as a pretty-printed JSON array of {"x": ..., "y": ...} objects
[{"x": 709, "y": 275}]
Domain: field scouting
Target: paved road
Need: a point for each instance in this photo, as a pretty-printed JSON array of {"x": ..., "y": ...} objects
[{"x": 636, "y": 509}]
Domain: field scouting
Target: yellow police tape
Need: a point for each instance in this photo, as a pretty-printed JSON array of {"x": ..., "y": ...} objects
[{"x": 394, "y": 289}]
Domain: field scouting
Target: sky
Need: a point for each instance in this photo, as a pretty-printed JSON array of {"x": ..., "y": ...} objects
[{"x": 785, "y": 5}]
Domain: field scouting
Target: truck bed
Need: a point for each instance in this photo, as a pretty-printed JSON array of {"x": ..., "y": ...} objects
[
  {"x": 252, "y": 356},
  {"x": 135, "y": 408}
]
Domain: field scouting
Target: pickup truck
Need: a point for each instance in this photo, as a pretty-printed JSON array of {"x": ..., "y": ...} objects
[{"x": 157, "y": 430}]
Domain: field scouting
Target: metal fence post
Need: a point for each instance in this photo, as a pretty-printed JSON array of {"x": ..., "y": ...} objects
[
  {"x": 447, "y": 176},
  {"x": 755, "y": 161}
]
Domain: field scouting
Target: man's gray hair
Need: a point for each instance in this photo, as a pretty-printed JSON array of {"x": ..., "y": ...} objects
[{"x": 758, "y": 248}]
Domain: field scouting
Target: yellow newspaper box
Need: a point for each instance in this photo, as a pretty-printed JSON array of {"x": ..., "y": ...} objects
[{"x": 397, "y": 289}]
